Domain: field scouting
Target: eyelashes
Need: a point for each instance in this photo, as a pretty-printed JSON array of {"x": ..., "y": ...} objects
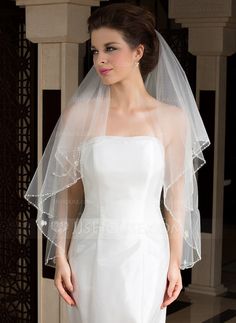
[
  {"x": 93, "y": 51},
  {"x": 108, "y": 49},
  {"x": 111, "y": 49}
]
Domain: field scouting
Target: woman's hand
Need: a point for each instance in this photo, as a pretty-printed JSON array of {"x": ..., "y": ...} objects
[
  {"x": 173, "y": 285},
  {"x": 62, "y": 279}
]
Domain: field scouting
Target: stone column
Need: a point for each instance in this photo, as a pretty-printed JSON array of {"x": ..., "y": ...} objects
[
  {"x": 212, "y": 37},
  {"x": 58, "y": 26}
]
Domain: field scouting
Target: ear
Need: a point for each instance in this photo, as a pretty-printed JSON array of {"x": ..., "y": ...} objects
[{"x": 139, "y": 52}]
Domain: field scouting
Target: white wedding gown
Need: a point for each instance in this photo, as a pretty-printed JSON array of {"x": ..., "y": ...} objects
[{"x": 119, "y": 251}]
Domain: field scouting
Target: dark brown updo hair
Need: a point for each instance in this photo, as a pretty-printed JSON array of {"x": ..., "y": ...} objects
[{"x": 137, "y": 26}]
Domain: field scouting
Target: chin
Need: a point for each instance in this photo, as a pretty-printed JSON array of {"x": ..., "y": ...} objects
[{"x": 108, "y": 82}]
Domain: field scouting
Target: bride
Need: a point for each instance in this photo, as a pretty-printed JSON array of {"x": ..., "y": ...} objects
[{"x": 127, "y": 137}]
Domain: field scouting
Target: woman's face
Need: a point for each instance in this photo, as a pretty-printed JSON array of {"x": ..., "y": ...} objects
[{"x": 113, "y": 59}]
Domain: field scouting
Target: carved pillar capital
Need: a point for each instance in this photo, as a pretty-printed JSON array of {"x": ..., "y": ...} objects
[
  {"x": 211, "y": 24},
  {"x": 57, "y": 21}
]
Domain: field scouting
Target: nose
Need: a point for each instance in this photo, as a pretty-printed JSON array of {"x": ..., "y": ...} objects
[{"x": 101, "y": 58}]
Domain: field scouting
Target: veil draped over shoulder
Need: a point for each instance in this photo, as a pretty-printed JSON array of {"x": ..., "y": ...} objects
[{"x": 177, "y": 125}]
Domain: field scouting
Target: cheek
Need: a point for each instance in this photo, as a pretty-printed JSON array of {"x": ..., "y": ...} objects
[{"x": 121, "y": 60}]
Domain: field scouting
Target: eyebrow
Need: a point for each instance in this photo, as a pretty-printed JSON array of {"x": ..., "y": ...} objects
[{"x": 107, "y": 44}]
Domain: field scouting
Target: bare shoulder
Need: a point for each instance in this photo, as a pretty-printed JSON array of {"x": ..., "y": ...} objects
[
  {"x": 169, "y": 111},
  {"x": 166, "y": 113},
  {"x": 171, "y": 119}
]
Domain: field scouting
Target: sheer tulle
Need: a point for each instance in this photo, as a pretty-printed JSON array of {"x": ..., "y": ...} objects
[{"x": 175, "y": 122}]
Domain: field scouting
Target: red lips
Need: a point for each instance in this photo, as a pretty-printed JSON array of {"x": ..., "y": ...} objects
[{"x": 104, "y": 70}]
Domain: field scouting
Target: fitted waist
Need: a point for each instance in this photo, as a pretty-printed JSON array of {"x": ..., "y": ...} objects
[
  {"x": 123, "y": 208},
  {"x": 91, "y": 228},
  {"x": 119, "y": 219}
]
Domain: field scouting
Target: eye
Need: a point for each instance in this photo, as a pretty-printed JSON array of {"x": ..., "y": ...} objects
[
  {"x": 93, "y": 51},
  {"x": 110, "y": 49}
]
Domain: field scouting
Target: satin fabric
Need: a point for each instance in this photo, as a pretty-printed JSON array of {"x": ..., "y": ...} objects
[{"x": 119, "y": 251}]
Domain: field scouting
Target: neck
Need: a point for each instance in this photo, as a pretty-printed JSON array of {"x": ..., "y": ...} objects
[{"x": 128, "y": 95}]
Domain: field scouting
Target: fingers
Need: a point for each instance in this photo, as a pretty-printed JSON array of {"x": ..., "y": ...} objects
[
  {"x": 169, "y": 299},
  {"x": 64, "y": 291},
  {"x": 172, "y": 292},
  {"x": 171, "y": 288},
  {"x": 68, "y": 283}
]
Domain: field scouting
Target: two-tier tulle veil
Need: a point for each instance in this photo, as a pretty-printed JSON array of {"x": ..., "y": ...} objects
[{"x": 85, "y": 117}]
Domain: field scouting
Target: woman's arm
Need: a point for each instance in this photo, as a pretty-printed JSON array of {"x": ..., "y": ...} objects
[
  {"x": 175, "y": 234},
  {"x": 174, "y": 228},
  {"x": 74, "y": 197},
  {"x": 175, "y": 239},
  {"x": 175, "y": 199}
]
